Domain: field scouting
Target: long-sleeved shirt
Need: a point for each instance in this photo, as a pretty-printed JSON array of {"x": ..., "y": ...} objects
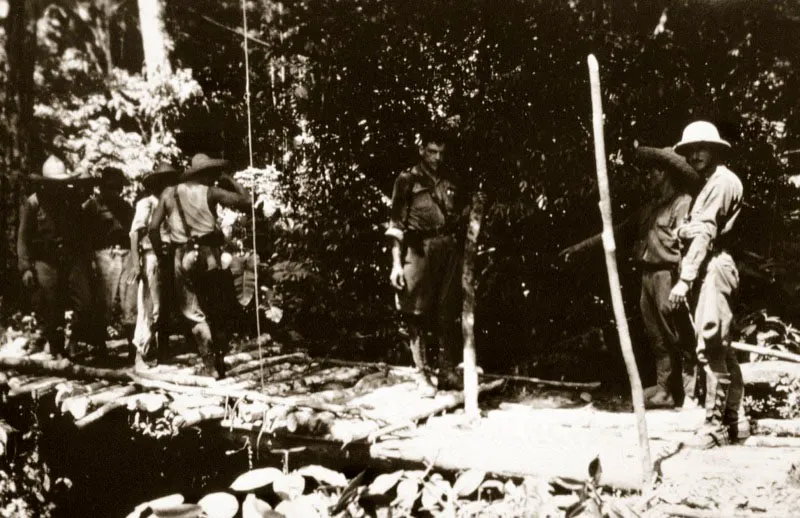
[
  {"x": 716, "y": 208},
  {"x": 421, "y": 203},
  {"x": 651, "y": 231},
  {"x": 46, "y": 228}
]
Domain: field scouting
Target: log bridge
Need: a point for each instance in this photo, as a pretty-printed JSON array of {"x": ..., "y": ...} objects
[{"x": 376, "y": 407}]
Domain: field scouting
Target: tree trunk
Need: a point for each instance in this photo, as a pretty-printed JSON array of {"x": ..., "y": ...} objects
[
  {"x": 155, "y": 40},
  {"x": 17, "y": 133}
]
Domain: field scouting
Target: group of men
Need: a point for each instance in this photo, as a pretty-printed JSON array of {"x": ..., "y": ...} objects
[
  {"x": 82, "y": 246},
  {"x": 682, "y": 244}
]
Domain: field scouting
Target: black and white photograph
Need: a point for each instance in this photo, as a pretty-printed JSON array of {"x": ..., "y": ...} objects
[{"x": 400, "y": 258}]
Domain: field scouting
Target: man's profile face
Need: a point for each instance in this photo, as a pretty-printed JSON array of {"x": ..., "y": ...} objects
[
  {"x": 432, "y": 155},
  {"x": 701, "y": 158}
]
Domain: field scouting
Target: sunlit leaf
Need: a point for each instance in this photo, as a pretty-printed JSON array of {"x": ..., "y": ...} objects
[
  {"x": 323, "y": 475},
  {"x": 256, "y": 479},
  {"x": 219, "y": 505},
  {"x": 289, "y": 486},
  {"x": 468, "y": 482},
  {"x": 384, "y": 483}
]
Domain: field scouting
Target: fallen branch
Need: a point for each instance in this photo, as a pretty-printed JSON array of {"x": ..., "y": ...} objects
[
  {"x": 766, "y": 351},
  {"x": 685, "y": 511},
  {"x": 591, "y": 385}
]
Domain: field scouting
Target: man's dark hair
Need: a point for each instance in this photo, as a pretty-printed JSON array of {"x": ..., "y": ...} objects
[{"x": 432, "y": 135}]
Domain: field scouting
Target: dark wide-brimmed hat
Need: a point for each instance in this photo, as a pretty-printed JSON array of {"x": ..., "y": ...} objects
[
  {"x": 162, "y": 172},
  {"x": 668, "y": 158},
  {"x": 202, "y": 163},
  {"x": 113, "y": 175},
  {"x": 54, "y": 172}
]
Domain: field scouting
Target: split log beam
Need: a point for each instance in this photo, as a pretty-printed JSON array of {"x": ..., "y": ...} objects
[
  {"x": 451, "y": 401},
  {"x": 591, "y": 385},
  {"x": 63, "y": 368},
  {"x": 766, "y": 351},
  {"x": 341, "y": 375},
  {"x": 188, "y": 380},
  {"x": 765, "y": 441},
  {"x": 685, "y": 511},
  {"x": 769, "y": 372},
  {"x": 255, "y": 364},
  {"x": 79, "y": 406}
]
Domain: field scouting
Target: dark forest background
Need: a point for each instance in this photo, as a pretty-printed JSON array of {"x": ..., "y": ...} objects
[{"x": 340, "y": 88}]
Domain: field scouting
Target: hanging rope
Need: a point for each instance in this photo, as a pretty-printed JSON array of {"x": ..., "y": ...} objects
[{"x": 252, "y": 191}]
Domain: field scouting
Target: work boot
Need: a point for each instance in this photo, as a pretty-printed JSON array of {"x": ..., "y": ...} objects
[
  {"x": 660, "y": 398},
  {"x": 738, "y": 425},
  {"x": 450, "y": 380},
  {"x": 713, "y": 432}
]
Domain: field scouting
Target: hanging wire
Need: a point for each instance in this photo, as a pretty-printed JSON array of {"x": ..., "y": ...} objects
[{"x": 252, "y": 190}]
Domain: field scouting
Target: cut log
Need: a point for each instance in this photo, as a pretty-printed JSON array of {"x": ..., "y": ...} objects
[
  {"x": 63, "y": 368},
  {"x": 194, "y": 416},
  {"x": 342, "y": 375},
  {"x": 188, "y": 380},
  {"x": 185, "y": 403},
  {"x": 79, "y": 406},
  {"x": 103, "y": 411},
  {"x": 778, "y": 427},
  {"x": 36, "y": 388},
  {"x": 18, "y": 381},
  {"x": 772, "y": 442},
  {"x": 248, "y": 395},
  {"x": 766, "y": 351},
  {"x": 74, "y": 389},
  {"x": 769, "y": 372}
]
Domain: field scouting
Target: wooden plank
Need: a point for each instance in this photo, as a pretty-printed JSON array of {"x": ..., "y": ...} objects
[{"x": 766, "y": 351}]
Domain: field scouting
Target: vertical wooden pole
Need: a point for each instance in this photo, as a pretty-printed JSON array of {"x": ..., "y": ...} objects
[
  {"x": 468, "y": 312},
  {"x": 637, "y": 394}
]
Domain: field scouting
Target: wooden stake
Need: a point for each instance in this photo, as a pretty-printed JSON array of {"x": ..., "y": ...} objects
[
  {"x": 468, "y": 311},
  {"x": 637, "y": 393}
]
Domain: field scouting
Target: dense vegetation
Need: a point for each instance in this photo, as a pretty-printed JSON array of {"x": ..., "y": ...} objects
[{"x": 340, "y": 88}]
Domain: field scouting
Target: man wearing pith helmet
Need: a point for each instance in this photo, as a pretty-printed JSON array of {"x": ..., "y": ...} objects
[{"x": 707, "y": 261}]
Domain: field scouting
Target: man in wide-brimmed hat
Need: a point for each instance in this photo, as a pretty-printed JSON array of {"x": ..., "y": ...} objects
[
  {"x": 204, "y": 288},
  {"x": 110, "y": 218},
  {"x": 155, "y": 282},
  {"x": 54, "y": 255},
  {"x": 708, "y": 239},
  {"x": 656, "y": 249}
]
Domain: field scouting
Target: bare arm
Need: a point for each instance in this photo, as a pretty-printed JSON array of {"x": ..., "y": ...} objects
[
  {"x": 154, "y": 227},
  {"x": 238, "y": 199},
  {"x": 27, "y": 219}
]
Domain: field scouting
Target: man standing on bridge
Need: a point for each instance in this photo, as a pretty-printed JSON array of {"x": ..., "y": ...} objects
[
  {"x": 426, "y": 260},
  {"x": 707, "y": 235}
]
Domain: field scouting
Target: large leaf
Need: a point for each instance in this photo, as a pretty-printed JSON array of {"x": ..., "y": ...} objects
[
  {"x": 323, "y": 475},
  {"x": 349, "y": 493},
  {"x": 407, "y": 493},
  {"x": 434, "y": 491},
  {"x": 384, "y": 483},
  {"x": 253, "y": 507},
  {"x": 595, "y": 470},
  {"x": 219, "y": 505},
  {"x": 256, "y": 479},
  {"x": 300, "y": 508},
  {"x": 290, "y": 486},
  {"x": 468, "y": 482}
]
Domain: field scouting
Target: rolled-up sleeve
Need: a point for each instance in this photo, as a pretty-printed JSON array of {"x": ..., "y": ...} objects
[
  {"x": 399, "y": 208},
  {"x": 720, "y": 203}
]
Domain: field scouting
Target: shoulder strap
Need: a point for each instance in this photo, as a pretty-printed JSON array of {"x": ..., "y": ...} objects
[{"x": 186, "y": 227}]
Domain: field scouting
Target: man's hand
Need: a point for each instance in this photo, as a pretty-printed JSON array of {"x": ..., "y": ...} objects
[
  {"x": 28, "y": 279},
  {"x": 677, "y": 297},
  {"x": 397, "y": 278},
  {"x": 690, "y": 230}
]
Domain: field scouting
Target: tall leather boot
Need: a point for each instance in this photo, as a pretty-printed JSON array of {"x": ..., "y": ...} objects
[
  {"x": 735, "y": 417},
  {"x": 713, "y": 432},
  {"x": 202, "y": 336}
]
